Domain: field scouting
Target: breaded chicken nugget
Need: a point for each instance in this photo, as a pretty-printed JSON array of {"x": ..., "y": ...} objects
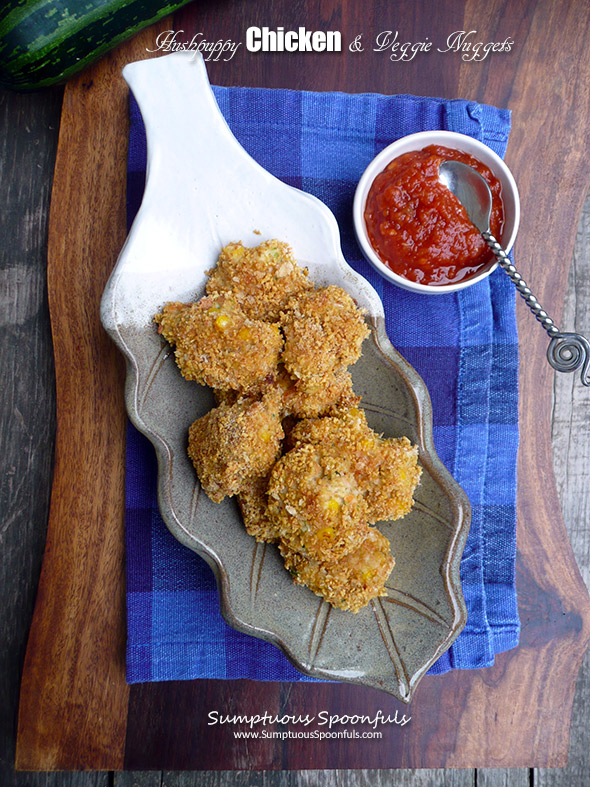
[
  {"x": 385, "y": 469},
  {"x": 345, "y": 428},
  {"x": 262, "y": 279},
  {"x": 217, "y": 345},
  {"x": 324, "y": 330},
  {"x": 349, "y": 583},
  {"x": 301, "y": 398},
  {"x": 254, "y": 507},
  {"x": 390, "y": 479},
  {"x": 316, "y": 504},
  {"x": 310, "y": 399},
  {"x": 234, "y": 443},
  {"x": 344, "y": 432}
]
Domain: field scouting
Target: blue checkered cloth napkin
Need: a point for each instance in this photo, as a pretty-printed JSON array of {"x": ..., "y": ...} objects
[{"x": 463, "y": 344}]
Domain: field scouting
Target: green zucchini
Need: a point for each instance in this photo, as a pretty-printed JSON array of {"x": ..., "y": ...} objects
[{"x": 43, "y": 42}]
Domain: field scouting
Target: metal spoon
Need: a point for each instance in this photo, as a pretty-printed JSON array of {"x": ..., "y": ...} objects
[{"x": 567, "y": 352}]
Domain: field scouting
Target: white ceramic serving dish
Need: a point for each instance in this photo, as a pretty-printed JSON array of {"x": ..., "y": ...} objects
[
  {"x": 418, "y": 141},
  {"x": 202, "y": 192}
]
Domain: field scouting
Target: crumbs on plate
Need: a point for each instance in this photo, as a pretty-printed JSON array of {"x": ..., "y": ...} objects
[{"x": 288, "y": 435}]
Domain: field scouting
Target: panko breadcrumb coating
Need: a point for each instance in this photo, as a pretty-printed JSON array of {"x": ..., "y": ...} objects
[
  {"x": 234, "y": 443},
  {"x": 254, "y": 507},
  {"x": 316, "y": 504},
  {"x": 324, "y": 330},
  {"x": 217, "y": 345},
  {"x": 301, "y": 398},
  {"x": 310, "y": 399},
  {"x": 262, "y": 279},
  {"x": 385, "y": 469},
  {"x": 391, "y": 479},
  {"x": 276, "y": 351},
  {"x": 349, "y": 583},
  {"x": 345, "y": 428}
]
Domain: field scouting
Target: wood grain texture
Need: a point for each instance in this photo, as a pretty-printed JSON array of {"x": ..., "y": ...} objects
[
  {"x": 73, "y": 702},
  {"x": 362, "y": 778},
  {"x": 138, "y": 779},
  {"x": 554, "y": 630},
  {"x": 571, "y": 444},
  {"x": 503, "y": 777},
  {"x": 27, "y": 398},
  {"x": 313, "y": 778},
  {"x": 423, "y": 777},
  {"x": 80, "y": 779},
  {"x": 503, "y": 716}
]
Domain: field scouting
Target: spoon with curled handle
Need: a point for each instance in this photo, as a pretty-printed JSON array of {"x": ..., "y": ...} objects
[{"x": 567, "y": 352}]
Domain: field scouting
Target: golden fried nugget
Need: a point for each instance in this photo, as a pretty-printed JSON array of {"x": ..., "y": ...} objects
[
  {"x": 345, "y": 432},
  {"x": 385, "y": 469},
  {"x": 344, "y": 428},
  {"x": 301, "y": 398},
  {"x": 309, "y": 399},
  {"x": 262, "y": 279},
  {"x": 277, "y": 379},
  {"x": 316, "y": 505},
  {"x": 324, "y": 330},
  {"x": 349, "y": 583},
  {"x": 254, "y": 507},
  {"x": 390, "y": 479},
  {"x": 336, "y": 475},
  {"x": 234, "y": 443},
  {"x": 217, "y": 345}
]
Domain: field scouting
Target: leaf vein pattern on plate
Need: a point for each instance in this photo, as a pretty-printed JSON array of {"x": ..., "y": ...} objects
[
  {"x": 420, "y": 506},
  {"x": 376, "y": 408},
  {"x": 319, "y": 627},
  {"x": 256, "y": 569},
  {"x": 195, "y": 497},
  {"x": 156, "y": 366},
  {"x": 403, "y": 599},
  {"x": 403, "y": 678}
]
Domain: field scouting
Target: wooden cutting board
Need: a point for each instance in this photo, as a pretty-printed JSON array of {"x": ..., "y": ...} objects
[{"x": 76, "y": 712}]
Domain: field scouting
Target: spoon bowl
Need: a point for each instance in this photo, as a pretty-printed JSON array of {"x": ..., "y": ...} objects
[{"x": 472, "y": 191}]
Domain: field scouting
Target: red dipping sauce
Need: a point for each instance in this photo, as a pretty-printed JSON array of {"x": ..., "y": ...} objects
[{"x": 418, "y": 228}]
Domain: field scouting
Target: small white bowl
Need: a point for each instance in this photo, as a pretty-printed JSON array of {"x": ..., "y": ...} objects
[{"x": 449, "y": 139}]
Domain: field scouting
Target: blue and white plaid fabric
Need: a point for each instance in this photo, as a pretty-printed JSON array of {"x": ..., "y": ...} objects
[{"x": 464, "y": 345}]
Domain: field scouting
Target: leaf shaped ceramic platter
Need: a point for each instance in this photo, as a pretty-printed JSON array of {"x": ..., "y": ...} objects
[{"x": 202, "y": 192}]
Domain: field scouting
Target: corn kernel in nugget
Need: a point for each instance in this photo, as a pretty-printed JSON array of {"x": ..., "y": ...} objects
[
  {"x": 217, "y": 345},
  {"x": 316, "y": 504},
  {"x": 234, "y": 443},
  {"x": 351, "y": 582},
  {"x": 262, "y": 279},
  {"x": 324, "y": 330}
]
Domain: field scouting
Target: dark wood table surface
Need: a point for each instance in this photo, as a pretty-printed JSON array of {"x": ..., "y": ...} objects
[{"x": 76, "y": 712}]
